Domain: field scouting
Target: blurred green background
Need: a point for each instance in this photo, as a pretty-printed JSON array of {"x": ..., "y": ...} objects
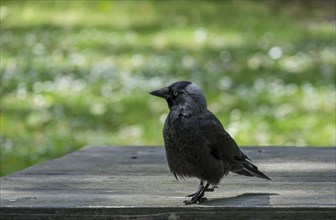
[{"x": 76, "y": 73}]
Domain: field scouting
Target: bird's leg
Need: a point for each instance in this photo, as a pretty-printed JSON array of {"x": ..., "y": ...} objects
[
  {"x": 199, "y": 195},
  {"x": 200, "y": 187}
]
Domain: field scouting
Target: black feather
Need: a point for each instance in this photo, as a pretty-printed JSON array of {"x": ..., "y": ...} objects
[
  {"x": 252, "y": 169},
  {"x": 196, "y": 143}
]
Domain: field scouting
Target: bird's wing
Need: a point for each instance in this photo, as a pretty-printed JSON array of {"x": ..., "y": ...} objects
[
  {"x": 220, "y": 143},
  {"x": 222, "y": 146}
]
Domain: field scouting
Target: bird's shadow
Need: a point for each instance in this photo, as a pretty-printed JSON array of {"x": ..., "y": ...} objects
[{"x": 246, "y": 200}]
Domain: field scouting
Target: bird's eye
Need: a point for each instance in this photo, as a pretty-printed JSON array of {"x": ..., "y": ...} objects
[{"x": 175, "y": 93}]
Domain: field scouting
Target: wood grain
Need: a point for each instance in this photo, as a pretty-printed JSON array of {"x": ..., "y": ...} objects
[{"x": 135, "y": 183}]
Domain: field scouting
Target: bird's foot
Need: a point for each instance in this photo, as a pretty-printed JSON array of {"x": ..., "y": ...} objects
[
  {"x": 201, "y": 188},
  {"x": 198, "y": 196},
  {"x": 195, "y": 200},
  {"x": 211, "y": 189}
]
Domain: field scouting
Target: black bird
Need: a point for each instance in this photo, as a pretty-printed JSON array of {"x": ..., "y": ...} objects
[{"x": 196, "y": 143}]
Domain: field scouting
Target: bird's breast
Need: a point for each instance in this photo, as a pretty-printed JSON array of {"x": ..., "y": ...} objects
[{"x": 181, "y": 133}]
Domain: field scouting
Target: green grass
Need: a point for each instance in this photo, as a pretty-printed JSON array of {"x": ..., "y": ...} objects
[{"x": 78, "y": 73}]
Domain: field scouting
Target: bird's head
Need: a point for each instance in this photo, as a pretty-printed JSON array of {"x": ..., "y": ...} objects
[{"x": 183, "y": 96}]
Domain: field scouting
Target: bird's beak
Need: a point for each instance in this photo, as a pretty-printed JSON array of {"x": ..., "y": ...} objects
[{"x": 163, "y": 93}]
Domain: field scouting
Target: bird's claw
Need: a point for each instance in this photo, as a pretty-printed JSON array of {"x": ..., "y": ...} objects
[
  {"x": 207, "y": 190},
  {"x": 191, "y": 195},
  {"x": 198, "y": 196},
  {"x": 195, "y": 200},
  {"x": 211, "y": 189}
]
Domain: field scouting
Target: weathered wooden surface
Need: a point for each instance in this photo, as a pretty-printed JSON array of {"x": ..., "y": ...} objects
[{"x": 135, "y": 183}]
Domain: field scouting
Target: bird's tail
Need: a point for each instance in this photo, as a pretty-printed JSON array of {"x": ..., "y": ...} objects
[{"x": 249, "y": 169}]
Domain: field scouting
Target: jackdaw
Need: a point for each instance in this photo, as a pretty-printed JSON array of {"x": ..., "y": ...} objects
[{"x": 196, "y": 143}]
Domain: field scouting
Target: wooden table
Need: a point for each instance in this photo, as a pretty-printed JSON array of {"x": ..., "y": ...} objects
[{"x": 135, "y": 183}]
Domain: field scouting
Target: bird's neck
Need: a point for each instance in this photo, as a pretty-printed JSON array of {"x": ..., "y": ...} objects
[{"x": 188, "y": 109}]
